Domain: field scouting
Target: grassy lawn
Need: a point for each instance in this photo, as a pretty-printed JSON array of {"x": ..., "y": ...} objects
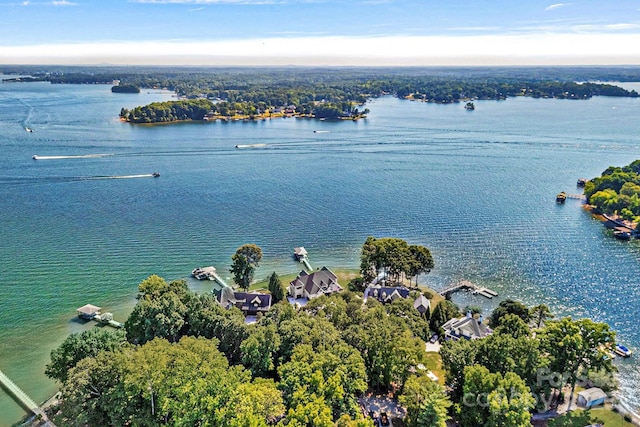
[
  {"x": 434, "y": 364},
  {"x": 610, "y": 418}
]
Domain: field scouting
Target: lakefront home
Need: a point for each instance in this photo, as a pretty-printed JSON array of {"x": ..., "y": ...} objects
[
  {"x": 467, "y": 327},
  {"x": 387, "y": 294},
  {"x": 249, "y": 302},
  {"x": 318, "y": 283}
]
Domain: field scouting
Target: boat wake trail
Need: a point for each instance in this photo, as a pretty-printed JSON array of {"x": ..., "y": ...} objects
[
  {"x": 147, "y": 175},
  {"x": 84, "y": 156},
  {"x": 35, "y": 180}
]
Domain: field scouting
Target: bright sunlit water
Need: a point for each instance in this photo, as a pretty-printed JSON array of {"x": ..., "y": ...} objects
[{"x": 478, "y": 188}]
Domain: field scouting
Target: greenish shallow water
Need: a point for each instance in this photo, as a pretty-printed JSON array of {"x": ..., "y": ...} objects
[{"x": 477, "y": 187}]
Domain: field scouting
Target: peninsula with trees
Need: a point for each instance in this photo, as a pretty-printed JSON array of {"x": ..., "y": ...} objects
[
  {"x": 187, "y": 359},
  {"x": 328, "y": 93}
]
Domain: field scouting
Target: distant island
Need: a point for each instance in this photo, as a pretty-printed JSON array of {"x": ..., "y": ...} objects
[
  {"x": 125, "y": 88},
  {"x": 207, "y": 110},
  {"x": 328, "y": 93}
]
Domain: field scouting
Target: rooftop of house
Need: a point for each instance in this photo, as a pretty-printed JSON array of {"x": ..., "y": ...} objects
[
  {"x": 322, "y": 280},
  {"x": 386, "y": 294},
  {"x": 467, "y": 327},
  {"x": 245, "y": 301},
  {"x": 89, "y": 309}
]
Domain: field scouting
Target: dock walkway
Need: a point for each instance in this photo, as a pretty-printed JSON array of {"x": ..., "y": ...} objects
[
  {"x": 23, "y": 398},
  {"x": 465, "y": 284},
  {"x": 300, "y": 254},
  {"x": 575, "y": 196}
]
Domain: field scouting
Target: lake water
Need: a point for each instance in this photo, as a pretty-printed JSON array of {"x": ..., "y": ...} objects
[{"x": 478, "y": 188}]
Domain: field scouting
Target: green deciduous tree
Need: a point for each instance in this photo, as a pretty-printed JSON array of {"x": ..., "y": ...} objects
[
  {"x": 493, "y": 399},
  {"x": 260, "y": 349},
  {"x": 80, "y": 345},
  {"x": 244, "y": 263},
  {"x": 509, "y": 306},
  {"x": 426, "y": 403},
  {"x": 575, "y": 345}
]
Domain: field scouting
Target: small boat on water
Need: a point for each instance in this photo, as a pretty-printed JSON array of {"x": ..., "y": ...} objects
[
  {"x": 35, "y": 157},
  {"x": 155, "y": 174},
  {"x": 561, "y": 197},
  {"x": 469, "y": 106},
  {"x": 251, "y": 145},
  {"x": 28, "y": 129},
  {"x": 623, "y": 351},
  {"x": 581, "y": 182}
]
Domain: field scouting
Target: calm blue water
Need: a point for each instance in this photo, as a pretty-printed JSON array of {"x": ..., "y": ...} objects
[{"x": 478, "y": 188}]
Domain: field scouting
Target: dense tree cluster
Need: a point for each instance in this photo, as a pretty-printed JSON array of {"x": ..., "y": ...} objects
[
  {"x": 617, "y": 190},
  {"x": 184, "y": 360},
  {"x": 333, "y": 92},
  {"x": 531, "y": 368},
  {"x": 395, "y": 257},
  {"x": 187, "y": 361},
  {"x": 125, "y": 88}
]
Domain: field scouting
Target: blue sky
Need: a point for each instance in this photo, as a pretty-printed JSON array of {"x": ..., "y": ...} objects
[{"x": 320, "y": 32}]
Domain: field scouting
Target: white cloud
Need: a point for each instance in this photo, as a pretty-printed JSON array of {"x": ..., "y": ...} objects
[
  {"x": 556, "y": 6},
  {"x": 531, "y": 49}
]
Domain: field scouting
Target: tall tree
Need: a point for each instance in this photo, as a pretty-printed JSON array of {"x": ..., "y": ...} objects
[
  {"x": 444, "y": 311},
  {"x": 426, "y": 403},
  {"x": 421, "y": 261},
  {"x": 574, "y": 345},
  {"x": 540, "y": 313},
  {"x": 244, "y": 263},
  {"x": 276, "y": 289},
  {"x": 509, "y": 306}
]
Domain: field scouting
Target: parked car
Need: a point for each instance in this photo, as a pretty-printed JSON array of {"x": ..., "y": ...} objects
[{"x": 433, "y": 339}]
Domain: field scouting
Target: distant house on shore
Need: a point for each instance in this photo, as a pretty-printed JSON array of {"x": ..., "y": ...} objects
[
  {"x": 248, "y": 302},
  {"x": 310, "y": 286},
  {"x": 466, "y": 327}
]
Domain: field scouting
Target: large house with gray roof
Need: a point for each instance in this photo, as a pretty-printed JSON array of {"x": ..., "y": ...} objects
[
  {"x": 466, "y": 327},
  {"x": 248, "y": 302},
  {"x": 318, "y": 283}
]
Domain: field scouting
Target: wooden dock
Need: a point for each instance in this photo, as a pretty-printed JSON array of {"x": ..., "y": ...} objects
[
  {"x": 300, "y": 254},
  {"x": 23, "y": 398},
  {"x": 575, "y": 196},
  {"x": 92, "y": 312},
  {"x": 466, "y": 285}
]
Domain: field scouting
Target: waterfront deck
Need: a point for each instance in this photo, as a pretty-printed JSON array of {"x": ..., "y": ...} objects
[
  {"x": 92, "y": 312},
  {"x": 23, "y": 398},
  {"x": 301, "y": 255},
  {"x": 466, "y": 285}
]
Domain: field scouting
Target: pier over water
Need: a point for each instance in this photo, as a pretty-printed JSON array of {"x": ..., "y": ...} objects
[
  {"x": 23, "y": 399},
  {"x": 465, "y": 284}
]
